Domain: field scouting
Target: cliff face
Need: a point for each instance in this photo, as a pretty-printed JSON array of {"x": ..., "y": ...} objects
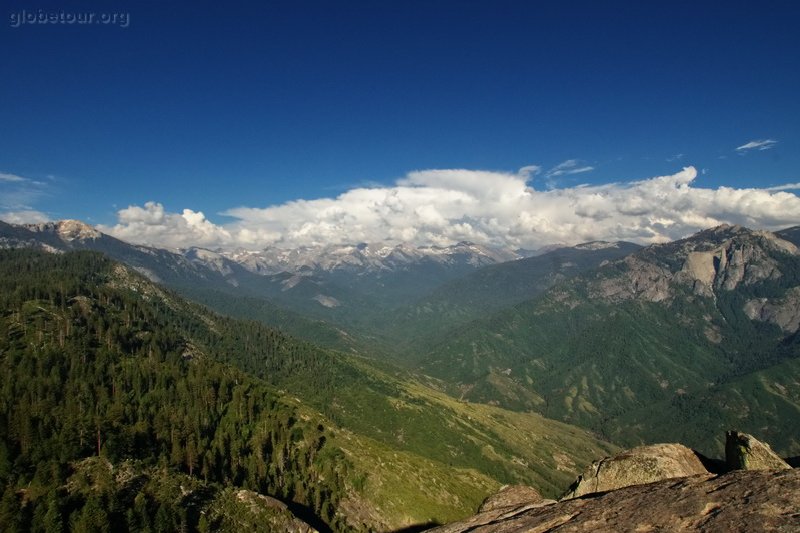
[
  {"x": 718, "y": 259},
  {"x": 785, "y": 311}
]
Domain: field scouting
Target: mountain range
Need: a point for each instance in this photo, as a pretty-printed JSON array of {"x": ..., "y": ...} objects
[
  {"x": 696, "y": 333},
  {"x": 470, "y": 365},
  {"x": 140, "y": 400}
]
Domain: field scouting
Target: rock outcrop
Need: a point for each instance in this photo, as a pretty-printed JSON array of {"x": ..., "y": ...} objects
[
  {"x": 738, "y": 501},
  {"x": 745, "y": 452},
  {"x": 784, "y": 311},
  {"x": 717, "y": 259},
  {"x": 661, "y": 487},
  {"x": 512, "y": 496},
  {"x": 637, "y": 466},
  {"x": 638, "y": 279}
]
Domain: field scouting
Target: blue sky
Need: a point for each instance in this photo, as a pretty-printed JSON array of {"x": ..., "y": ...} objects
[{"x": 214, "y": 106}]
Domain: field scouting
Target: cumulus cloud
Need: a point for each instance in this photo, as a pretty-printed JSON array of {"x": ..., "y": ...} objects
[
  {"x": 570, "y": 166},
  {"x": 152, "y": 225},
  {"x": 24, "y": 216},
  {"x": 446, "y": 206},
  {"x": 759, "y": 144}
]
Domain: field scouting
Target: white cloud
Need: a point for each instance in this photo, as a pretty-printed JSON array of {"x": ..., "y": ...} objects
[
  {"x": 529, "y": 171},
  {"x": 446, "y": 206},
  {"x": 760, "y": 144},
  {"x": 570, "y": 166},
  {"x": 11, "y": 178},
  {"x": 784, "y": 187},
  {"x": 151, "y": 224},
  {"x": 25, "y": 216}
]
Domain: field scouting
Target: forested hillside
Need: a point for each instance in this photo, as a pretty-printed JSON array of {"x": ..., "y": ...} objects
[
  {"x": 91, "y": 369},
  {"x": 485, "y": 291},
  {"x": 97, "y": 362}
]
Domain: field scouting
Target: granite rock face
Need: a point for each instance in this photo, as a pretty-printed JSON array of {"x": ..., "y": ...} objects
[
  {"x": 714, "y": 260},
  {"x": 784, "y": 311},
  {"x": 745, "y": 452},
  {"x": 743, "y": 500},
  {"x": 513, "y": 496},
  {"x": 637, "y": 466}
]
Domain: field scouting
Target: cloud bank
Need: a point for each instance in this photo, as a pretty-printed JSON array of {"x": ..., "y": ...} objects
[
  {"x": 24, "y": 216},
  {"x": 151, "y": 224},
  {"x": 496, "y": 208}
]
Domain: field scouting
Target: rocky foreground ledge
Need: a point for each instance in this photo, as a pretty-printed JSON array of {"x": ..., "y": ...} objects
[{"x": 663, "y": 487}]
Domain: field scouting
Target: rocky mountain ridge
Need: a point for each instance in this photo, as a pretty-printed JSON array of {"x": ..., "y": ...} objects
[
  {"x": 337, "y": 283},
  {"x": 357, "y": 258},
  {"x": 202, "y": 275},
  {"x": 156, "y": 264},
  {"x": 697, "y": 331},
  {"x": 349, "y": 260},
  {"x": 717, "y": 259},
  {"x": 364, "y": 257}
]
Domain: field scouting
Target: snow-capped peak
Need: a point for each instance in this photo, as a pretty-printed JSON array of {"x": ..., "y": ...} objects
[{"x": 366, "y": 257}]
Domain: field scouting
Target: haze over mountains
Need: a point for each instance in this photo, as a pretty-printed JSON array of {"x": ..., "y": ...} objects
[
  {"x": 343, "y": 285},
  {"x": 444, "y": 355}
]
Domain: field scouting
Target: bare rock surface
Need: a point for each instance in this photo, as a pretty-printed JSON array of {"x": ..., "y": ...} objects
[
  {"x": 744, "y": 500},
  {"x": 513, "y": 496},
  {"x": 644, "y": 464},
  {"x": 785, "y": 311},
  {"x": 718, "y": 259},
  {"x": 639, "y": 279},
  {"x": 745, "y": 452}
]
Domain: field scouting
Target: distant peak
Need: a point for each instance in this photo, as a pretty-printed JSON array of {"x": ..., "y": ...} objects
[
  {"x": 727, "y": 229},
  {"x": 66, "y": 230},
  {"x": 75, "y": 229},
  {"x": 199, "y": 252},
  {"x": 731, "y": 228},
  {"x": 596, "y": 245}
]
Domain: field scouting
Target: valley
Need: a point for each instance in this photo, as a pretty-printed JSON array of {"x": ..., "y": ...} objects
[{"x": 374, "y": 388}]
